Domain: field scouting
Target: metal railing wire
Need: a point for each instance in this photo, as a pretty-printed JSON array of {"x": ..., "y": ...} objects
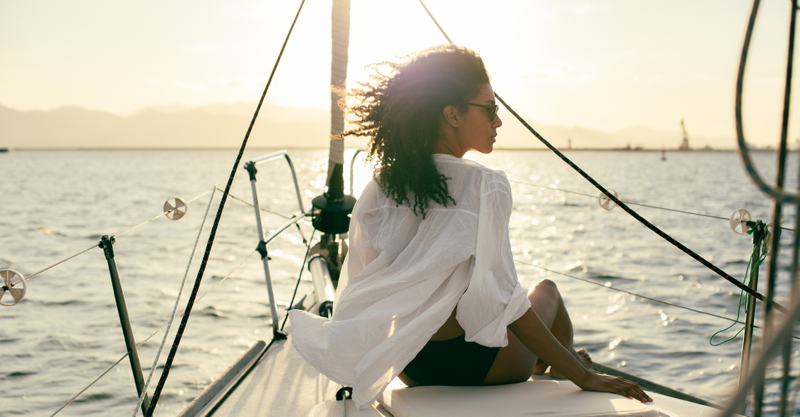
[
  {"x": 34, "y": 275},
  {"x": 779, "y": 194},
  {"x": 655, "y": 300},
  {"x": 174, "y": 313},
  {"x": 631, "y": 203},
  {"x": 175, "y": 307},
  {"x": 262, "y": 208},
  {"x": 164, "y": 326},
  {"x": 210, "y": 243}
]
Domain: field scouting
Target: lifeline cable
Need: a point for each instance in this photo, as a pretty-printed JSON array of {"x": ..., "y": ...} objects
[
  {"x": 175, "y": 306},
  {"x": 617, "y": 201},
  {"x": 30, "y": 277},
  {"x": 156, "y": 217},
  {"x": 60, "y": 262},
  {"x": 251, "y": 205},
  {"x": 71, "y": 400},
  {"x": 628, "y": 202},
  {"x": 142, "y": 343},
  {"x": 213, "y": 233},
  {"x": 634, "y": 203},
  {"x": 655, "y": 300}
]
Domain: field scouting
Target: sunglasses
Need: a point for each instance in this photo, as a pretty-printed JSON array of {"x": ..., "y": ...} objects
[{"x": 492, "y": 109}]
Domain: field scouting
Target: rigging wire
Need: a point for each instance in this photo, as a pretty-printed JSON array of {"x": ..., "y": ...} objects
[
  {"x": 638, "y": 217},
  {"x": 175, "y": 307},
  {"x": 174, "y": 315},
  {"x": 156, "y": 217},
  {"x": 229, "y": 274},
  {"x": 30, "y": 277},
  {"x": 142, "y": 343},
  {"x": 633, "y": 203},
  {"x": 251, "y": 205},
  {"x": 60, "y": 262},
  {"x": 619, "y": 203},
  {"x": 213, "y": 233},
  {"x": 71, "y": 400},
  {"x": 655, "y": 300},
  {"x": 626, "y": 202},
  {"x": 213, "y": 191}
]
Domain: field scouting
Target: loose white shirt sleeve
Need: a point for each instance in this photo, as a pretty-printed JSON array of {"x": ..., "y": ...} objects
[{"x": 406, "y": 274}]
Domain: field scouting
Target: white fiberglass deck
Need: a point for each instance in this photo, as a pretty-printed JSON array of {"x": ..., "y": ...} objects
[{"x": 283, "y": 384}]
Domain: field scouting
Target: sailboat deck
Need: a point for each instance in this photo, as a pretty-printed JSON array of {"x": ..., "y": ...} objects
[{"x": 281, "y": 383}]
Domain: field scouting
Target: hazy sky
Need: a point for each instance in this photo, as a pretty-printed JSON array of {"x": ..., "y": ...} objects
[{"x": 603, "y": 64}]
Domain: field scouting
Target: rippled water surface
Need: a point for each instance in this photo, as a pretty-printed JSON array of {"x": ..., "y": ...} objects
[{"x": 66, "y": 332}]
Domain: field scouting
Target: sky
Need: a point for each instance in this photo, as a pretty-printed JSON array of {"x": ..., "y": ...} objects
[{"x": 600, "y": 64}]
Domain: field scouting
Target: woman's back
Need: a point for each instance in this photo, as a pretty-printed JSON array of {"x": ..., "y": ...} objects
[
  {"x": 407, "y": 273},
  {"x": 386, "y": 228}
]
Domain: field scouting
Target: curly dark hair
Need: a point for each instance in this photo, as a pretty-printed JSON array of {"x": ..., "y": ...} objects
[{"x": 401, "y": 112}]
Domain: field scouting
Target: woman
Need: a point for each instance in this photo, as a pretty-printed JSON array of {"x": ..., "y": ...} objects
[{"x": 433, "y": 296}]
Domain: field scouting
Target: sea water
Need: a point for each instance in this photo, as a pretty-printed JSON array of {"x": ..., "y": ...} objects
[{"x": 66, "y": 331}]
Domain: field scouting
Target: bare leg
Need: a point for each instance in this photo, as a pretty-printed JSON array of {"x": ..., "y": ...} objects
[
  {"x": 515, "y": 362},
  {"x": 547, "y": 302}
]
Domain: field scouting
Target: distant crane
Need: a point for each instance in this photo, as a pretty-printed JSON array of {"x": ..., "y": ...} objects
[{"x": 685, "y": 145}]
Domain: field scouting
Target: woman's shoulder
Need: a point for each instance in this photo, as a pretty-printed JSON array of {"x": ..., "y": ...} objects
[
  {"x": 370, "y": 198},
  {"x": 373, "y": 198},
  {"x": 448, "y": 162}
]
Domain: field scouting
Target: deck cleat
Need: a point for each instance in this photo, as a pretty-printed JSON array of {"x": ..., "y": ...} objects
[
  {"x": 605, "y": 202},
  {"x": 175, "y": 208},
  {"x": 11, "y": 280}
]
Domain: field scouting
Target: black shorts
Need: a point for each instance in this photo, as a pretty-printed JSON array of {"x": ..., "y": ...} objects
[{"x": 451, "y": 362}]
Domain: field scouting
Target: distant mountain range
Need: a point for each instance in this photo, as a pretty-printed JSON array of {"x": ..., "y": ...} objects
[{"x": 224, "y": 126}]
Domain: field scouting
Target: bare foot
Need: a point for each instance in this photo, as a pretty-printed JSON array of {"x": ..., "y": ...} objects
[
  {"x": 584, "y": 358},
  {"x": 580, "y": 355}
]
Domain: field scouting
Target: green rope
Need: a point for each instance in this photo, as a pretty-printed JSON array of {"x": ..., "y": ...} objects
[{"x": 755, "y": 259}]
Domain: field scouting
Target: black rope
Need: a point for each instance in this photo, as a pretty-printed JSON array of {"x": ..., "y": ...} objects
[
  {"x": 210, "y": 243},
  {"x": 617, "y": 201},
  {"x": 636, "y": 215}
]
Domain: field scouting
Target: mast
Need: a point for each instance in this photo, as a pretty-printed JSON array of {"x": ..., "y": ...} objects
[
  {"x": 340, "y": 42},
  {"x": 332, "y": 209}
]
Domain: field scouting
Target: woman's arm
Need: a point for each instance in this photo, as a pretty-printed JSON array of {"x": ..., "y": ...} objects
[{"x": 533, "y": 333}]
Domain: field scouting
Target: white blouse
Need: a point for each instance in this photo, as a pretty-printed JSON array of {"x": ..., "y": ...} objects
[{"x": 406, "y": 275}]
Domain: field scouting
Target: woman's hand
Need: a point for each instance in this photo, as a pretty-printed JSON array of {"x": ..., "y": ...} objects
[
  {"x": 614, "y": 385},
  {"x": 537, "y": 337}
]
